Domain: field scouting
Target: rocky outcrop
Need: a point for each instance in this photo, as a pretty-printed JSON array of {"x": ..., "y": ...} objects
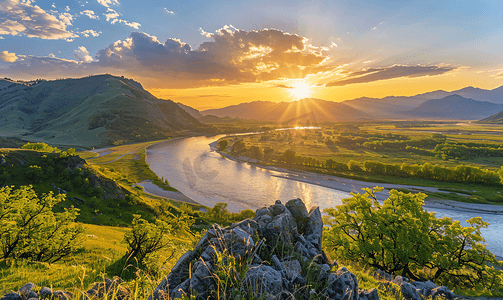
[{"x": 277, "y": 255}]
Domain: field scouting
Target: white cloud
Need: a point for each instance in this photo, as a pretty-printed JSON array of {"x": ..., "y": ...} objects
[
  {"x": 2, "y": 38},
  {"x": 90, "y": 14},
  {"x": 67, "y": 8},
  {"x": 8, "y": 57},
  {"x": 169, "y": 11},
  {"x": 25, "y": 19},
  {"x": 66, "y": 18},
  {"x": 83, "y": 55},
  {"x": 53, "y": 5},
  {"x": 111, "y": 16},
  {"x": 106, "y": 3},
  {"x": 90, "y": 32}
]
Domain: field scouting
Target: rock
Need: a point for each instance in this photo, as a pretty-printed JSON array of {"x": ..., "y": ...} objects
[
  {"x": 181, "y": 290},
  {"x": 277, "y": 209},
  {"x": 298, "y": 209},
  {"x": 201, "y": 282},
  {"x": 342, "y": 285},
  {"x": 248, "y": 225},
  {"x": 278, "y": 265},
  {"x": 409, "y": 292},
  {"x": 280, "y": 229},
  {"x": 174, "y": 277},
  {"x": 262, "y": 281},
  {"x": 292, "y": 269},
  {"x": 398, "y": 280},
  {"x": 382, "y": 275},
  {"x": 45, "y": 292},
  {"x": 26, "y": 289},
  {"x": 442, "y": 291},
  {"x": 371, "y": 294},
  {"x": 11, "y": 296},
  {"x": 62, "y": 295},
  {"x": 424, "y": 288},
  {"x": 314, "y": 227},
  {"x": 324, "y": 272}
]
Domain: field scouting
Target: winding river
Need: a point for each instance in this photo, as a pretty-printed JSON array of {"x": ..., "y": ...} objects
[{"x": 193, "y": 167}]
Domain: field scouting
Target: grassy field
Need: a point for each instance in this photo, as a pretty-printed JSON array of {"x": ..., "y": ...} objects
[{"x": 313, "y": 144}]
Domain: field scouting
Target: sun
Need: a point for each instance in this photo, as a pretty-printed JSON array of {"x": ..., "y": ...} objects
[{"x": 300, "y": 90}]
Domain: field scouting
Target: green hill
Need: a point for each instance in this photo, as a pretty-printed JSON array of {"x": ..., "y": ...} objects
[
  {"x": 494, "y": 119},
  {"x": 91, "y": 111}
]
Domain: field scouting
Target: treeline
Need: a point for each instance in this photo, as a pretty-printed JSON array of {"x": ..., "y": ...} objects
[
  {"x": 468, "y": 150},
  {"x": 460, "y": 173}
]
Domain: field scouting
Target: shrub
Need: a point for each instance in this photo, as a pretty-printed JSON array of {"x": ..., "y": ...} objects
[{"x": 400, "y": 237}]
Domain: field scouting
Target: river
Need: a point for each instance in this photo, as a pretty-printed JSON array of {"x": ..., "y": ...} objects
[{"x": 198, "y": 171}]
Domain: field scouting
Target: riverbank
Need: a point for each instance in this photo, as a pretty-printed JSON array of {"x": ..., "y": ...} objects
[{"x": 351, "y": 185}]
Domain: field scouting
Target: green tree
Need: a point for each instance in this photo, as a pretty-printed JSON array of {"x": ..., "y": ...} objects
[
  {"x": 289, "y": 156},
  {"x": 400, "y": 237},
  {"x": 145, "y": 237},
  {"x": 30, "y": 229},
  {"x": 238, "y": 146},
  {"x": 222, "y": 144}
]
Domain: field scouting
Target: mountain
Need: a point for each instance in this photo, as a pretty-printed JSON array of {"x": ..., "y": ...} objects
[
  {"x": 305, "y": 110},
  {"x": 191, "y": 111},
  {"x": 455, "y": 107},
  {"x": 396, "y": 107},
  {"x": 91, "y": 111},
  {"x": 494, "y": 119}
]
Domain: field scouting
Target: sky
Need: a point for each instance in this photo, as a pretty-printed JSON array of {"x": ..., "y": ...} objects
[{"x": 212, "y": 54}]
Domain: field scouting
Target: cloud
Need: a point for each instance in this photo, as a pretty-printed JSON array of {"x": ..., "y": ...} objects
[
  {"x": 90, "y": 14},
  {"x": 396, "y": 71},
  {"x": 111, "y": 16},
  {"x": 90, "y": 32},
  {"x": 106, "y": 3},
  {"x": 66, "y": 18},
  {"x": 8, "y": 57},
  {"x": 22, "y": 18},
  {"x": 233, "y": 57},
  {"x": 67, "y": 8},
  {"x": 83, "y": 55},
  {"x": 169, "y": 11}
]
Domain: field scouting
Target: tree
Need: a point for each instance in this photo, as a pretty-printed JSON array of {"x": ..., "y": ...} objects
[
  {"x": 289, "y": 156},
  {"x": 222, "y": 144},
  {"x": 238, "y": 146},
  {"x": 30, "y": 229},
  {"x": 400, "y": 237},
  {"x": 145, "y": 238}
]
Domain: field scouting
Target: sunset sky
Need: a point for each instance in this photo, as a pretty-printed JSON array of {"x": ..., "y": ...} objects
[{"x": 211, "y": 54}]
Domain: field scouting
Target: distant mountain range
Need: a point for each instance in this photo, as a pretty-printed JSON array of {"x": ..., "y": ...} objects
[
  {"x": 465, "y": 104},
  {"x": 305, "y": 110},
  {"x": 90, "y": 111}
]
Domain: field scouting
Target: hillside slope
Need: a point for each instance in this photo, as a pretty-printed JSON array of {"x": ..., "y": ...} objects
[
  {"x": 494, "y": 119},
  {"x": 455, "y": 107},
  {"x": 91, "y": 111},
  {"x": 305, "y": 110}
]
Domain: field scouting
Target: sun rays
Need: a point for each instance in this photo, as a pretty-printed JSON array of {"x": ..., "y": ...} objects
[{"x": 300, "y": 90}]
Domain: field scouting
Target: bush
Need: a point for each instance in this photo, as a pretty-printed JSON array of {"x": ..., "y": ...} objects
[
  {"x": 400, "y": 237},
  {"x": 30, "y": 229},
  {"x": 222, "y": 144}
]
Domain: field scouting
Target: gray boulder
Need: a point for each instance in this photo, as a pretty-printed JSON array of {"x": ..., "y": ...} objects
[
  {"x": 202, "y": 281},
  {"x": 371, "y": 294},
  {"x": 262, "y": 281},
  {"x": 443, "y": 292},
  {"x": 299, "y": 212},
  {"x": 342, "y": 285},
  {"x": 409, "y": 291},
  {"x": 11, "y": 296}
]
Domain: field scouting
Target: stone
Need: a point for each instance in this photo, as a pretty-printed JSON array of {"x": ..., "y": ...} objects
[
  {"x": 25, "y": 289},
  {"x": 201, "y": 282},
  {"x": 173, "y": 279},
  {"x": 248, "y": 225},
  {"x": 298, "y": 209},
  {"x": 314, "y": 227},
  {"x": 11, "y": 296},
  {"x": 280, "y": 229},
  {"x": 424, "y": 288},
  {"x": 409, "y": 291},
  {"x": 382, "y": 275},
  {"x": 399, "y": 280},
  {"x": 45, "y": 292},
  {"x": 181, "y": 290},
  {"x": 292, "y": 269},
  {"x": 324, "y": 272},
  {"x": 262, "y": 281},
  {"x": 342, "y": 285},
  {"x": 277, "y": 209},
  {"x": 371, "y": 294},
  {"x": 443, "y": 292},
  {"x": 62, "y": 295}
]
